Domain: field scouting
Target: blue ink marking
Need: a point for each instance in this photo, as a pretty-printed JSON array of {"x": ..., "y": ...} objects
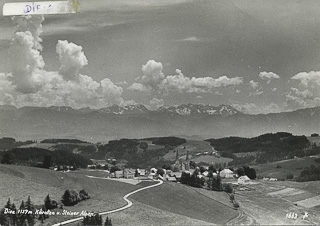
[{"x": 33, "y": 8}]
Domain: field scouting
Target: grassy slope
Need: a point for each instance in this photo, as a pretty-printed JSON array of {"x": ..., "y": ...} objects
[
  {"x": 194, "y": 147},
  {"x": 182, "y": 200},
  {"x": 294, "y": 166},
  {"x": 267, "y": 209},
  {"x": 18, "y": 182},
  {"x": 168, "y": 203}
]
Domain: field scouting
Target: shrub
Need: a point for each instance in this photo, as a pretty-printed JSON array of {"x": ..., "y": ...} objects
[
  {"x": 50, "y": 204},
  {"x": 236, "y": 204},
  {"x": 259, "y": 177},
  {"x": 92, "y": 220},
  {"x": 83, "y": 194},
  {"x": 70, "y": 198},
  {"x": 227, "y": 187},
  {"x": 232, "y": 198},
  {"x": 290, "y": 176}
]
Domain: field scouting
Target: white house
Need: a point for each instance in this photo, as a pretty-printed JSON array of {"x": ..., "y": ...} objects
[
  {"x": 226, "y": 173},
  {"x": 243, "y": 179},
  {"x": 273, "y": 179}
]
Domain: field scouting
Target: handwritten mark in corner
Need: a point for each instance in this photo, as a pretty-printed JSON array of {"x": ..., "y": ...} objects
[{"x": 43, "y": 7}]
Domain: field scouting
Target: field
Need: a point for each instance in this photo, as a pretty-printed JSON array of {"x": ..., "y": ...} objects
[
  {"x": 315, "y": 140},
  {"x": 194, "y": 147},
  {"x": 269, "y": 202},
  {"x": 168, "y": 204},
  {"x": 293, "y": 166},
  {"x": 17, "y": 182},
  {"x": 185, "y": 201},
  {"x": 47, "y": 146}
]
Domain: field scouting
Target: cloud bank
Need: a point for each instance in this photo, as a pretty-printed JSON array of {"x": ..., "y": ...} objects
[
  {"x": 154, "y": 80},
  {"x": 268, "y": 76},
  {"x": 29, "y": 84}
]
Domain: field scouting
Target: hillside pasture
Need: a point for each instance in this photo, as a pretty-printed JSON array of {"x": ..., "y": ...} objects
[
  {"x": 281, "y": 169},
  {"x": 192, "y": 146},
  {"x": 18, "y": 182},
  {"x": 180, "y": 199},
  {"x": 315, "y": 140},
  {"x": 211, "y": 159},
  {"x": 268, "y": 202},
  {"x": 48, "y": 146}
]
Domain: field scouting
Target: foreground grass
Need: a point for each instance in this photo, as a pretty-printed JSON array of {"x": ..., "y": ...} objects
[{"x": 180, "y": 199}]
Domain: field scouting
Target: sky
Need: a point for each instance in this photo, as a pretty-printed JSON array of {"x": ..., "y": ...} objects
[{"x": 255, "y": 55}]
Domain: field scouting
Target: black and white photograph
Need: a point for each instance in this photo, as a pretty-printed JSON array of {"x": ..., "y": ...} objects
[{"x": 159, "y": 112}]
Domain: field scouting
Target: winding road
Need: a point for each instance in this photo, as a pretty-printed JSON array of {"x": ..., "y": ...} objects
[{"x": 129, "y": 203}]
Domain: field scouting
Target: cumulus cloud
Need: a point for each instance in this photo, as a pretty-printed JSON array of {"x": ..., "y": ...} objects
[
  {"x": 153, "y": 79},
  {"x": 25, "y": 60},
  {"x": 155, "y": 103},
  {"x": 296, "y": 99},
  {"x": 254, "y": 84},
  {"x": 268, "y": 76},
  {"x": 29, "y": 84},
  {"x": 71, "y": 58},
  {"x": 311, "y": 78},
  {"x": 252, "y": 108},
  {"x": 256, "y": 92}
]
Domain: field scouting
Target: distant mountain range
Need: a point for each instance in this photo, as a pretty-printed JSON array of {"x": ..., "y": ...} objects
[{"x": 136, "y": 121}]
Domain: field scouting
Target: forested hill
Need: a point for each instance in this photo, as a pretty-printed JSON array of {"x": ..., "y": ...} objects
[
  {"x": 265, "y": 142},
  {"x": 269, "y": 147}
]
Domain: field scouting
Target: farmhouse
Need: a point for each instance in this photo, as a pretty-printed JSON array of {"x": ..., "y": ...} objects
[
  {"x": 142, "y": 172},
  {"x": 243, "y": 180},
  {"x": 171, "y": 179},
  {"x": 226, "y": 173},
  {"x": 118, "y": 174},
  {"x": 128, "y": 173}
]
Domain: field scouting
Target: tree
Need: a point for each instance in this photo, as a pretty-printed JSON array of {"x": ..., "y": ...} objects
[
  {"x": 29, "y": 206},
  {"x": 114, "y": 169},
  {"x": 43, "y": 216},
  {"x": 5, "y": 219},
  {"x": 83, "y": 194},
  {"x": 202, "y": 169},
  {"x": 240, "y": 172},
  {"x": 92, "y": 220},
  {"x": 250, "y": 172},
  {"x": 290, "y": 176},
  {"x": 50, "y": 204},
  {"x": 232, "y": 198},
  {"x": 70, "y": 198},
  {"x": 22, "y": 217},
  {"x": 228, "y": 188},
  {"x": 8, "y": 158},
  {"x": 185, "y": 178},
  {"x": 143, "y": 145},
  {"x": 47, "y": 161},
  {"x": 108, "y": 222},
  {"x": 160, "y": 172},
  {"x": 216, "y": 183}
]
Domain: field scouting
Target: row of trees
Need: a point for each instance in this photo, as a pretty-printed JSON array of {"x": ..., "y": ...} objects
[
  {"x": 25, "y": 215},
  {"x": 311, "y": 173},
  {"x": 32, "y": 156},
  {"x": 96, "y": 220},
  {"x": 72, "y": 197}
]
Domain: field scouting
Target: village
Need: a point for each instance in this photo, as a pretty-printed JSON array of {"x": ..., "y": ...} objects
[{"x": 174, "y": 174}]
